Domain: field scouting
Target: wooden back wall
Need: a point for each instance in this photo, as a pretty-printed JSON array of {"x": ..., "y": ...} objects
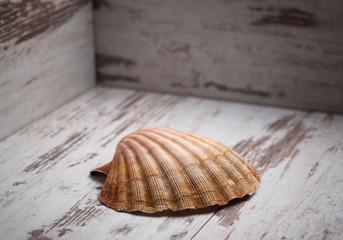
[{"x": 286, "y": 53}]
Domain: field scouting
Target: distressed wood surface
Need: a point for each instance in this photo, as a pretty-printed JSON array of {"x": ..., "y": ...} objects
[
  {"x": 46, "y": 191},
  {"x": 46, "y": 58},
  {"x": 276, "y": 53}
]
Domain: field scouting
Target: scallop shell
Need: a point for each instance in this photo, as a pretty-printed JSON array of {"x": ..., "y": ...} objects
[{"x": 159, "y": 168}]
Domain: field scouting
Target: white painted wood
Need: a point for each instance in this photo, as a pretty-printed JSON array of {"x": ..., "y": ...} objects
[
  {"x": 47, "y": 62},
  {"x": 276, "y": 53},
  {"x": 298, "y": 199},
  {"x": 46, "y": 189}
]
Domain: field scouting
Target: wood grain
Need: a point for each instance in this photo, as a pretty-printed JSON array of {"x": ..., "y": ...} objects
[
  {"x": 47, "y": 192},
  {"x": 284, "y": 54},
  {"x": 46, "y": 58}
]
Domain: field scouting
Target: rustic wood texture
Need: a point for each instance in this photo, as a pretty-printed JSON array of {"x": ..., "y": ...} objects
[
  {"x": 47, "y": 192},
  {"x": 277, "y": 53},
  {"x": 46, "y": 58}
]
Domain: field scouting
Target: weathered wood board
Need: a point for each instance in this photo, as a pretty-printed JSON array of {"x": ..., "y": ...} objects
[
  {"x": 46, "y": 58},
  {"x": 277, "y": 53},
  {"x": 46, "y": 190}
]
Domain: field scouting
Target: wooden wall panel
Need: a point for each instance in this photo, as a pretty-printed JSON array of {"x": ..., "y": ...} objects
[
  {"x": 285, "y": 54},
  {"x": 46, "y": 58}
]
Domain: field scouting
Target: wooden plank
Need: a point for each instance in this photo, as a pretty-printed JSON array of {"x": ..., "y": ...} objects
[
  {"x": 300, "y": 196},
  {"x": 284, "y": 54},
  {"x": 46, "y": 190},
  {"x": 46, "y": 58}
]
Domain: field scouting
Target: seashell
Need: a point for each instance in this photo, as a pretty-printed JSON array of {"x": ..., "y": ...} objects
[{"x": 159, "y": 168}]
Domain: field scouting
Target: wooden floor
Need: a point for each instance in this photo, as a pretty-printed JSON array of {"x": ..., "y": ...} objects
[{"x": 47, "y": 192}]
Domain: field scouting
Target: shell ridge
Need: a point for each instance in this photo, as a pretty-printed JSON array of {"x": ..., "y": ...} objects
[
  {"x": 242, "y": 181},
  {"x": 106, "y": 190},
  {"x": 165, "y": 170},
  {"x": 185, "y": 174},
  {"x": 247, "y": 164},
  {"x": 239, "y": 164},
  {"x": 192, "y": 148},
  {"x": 209, "y": 142},
  {"x": 170, "y": 172},
  {"x": 199, "y": 167},
  {"x": 118, "y": 190},
  {"x": 234, "y": 176},
  {"x": 147, "y": 191},
  {"x": 160, "y": 169},
  {"x": 214, "y": 143},
  {"x": 138, "y": 194},
  {"x": 201, "y": 144},
  {"x": 224, "y": 184},
  {"x": 242, "y": 173},
  {"x": 128, "y": 194},
  {"x": 237, "y": 179}
]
